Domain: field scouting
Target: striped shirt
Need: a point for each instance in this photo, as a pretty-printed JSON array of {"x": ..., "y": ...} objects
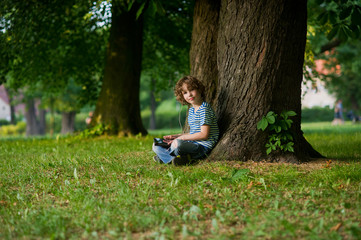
[{"x": 204, "y": 116}]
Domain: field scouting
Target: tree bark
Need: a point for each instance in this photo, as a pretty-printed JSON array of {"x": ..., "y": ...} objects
[
  {"x": 12, "y": 107},
  {"x": 68, "y": 122},
  {"x": 32, "y": 123},
  {"x": 259, "y": 52},
  {"x": 203, "y": 53},
  {"x": 42, "y": 121},
  {"x": 118, "y": 105},
  {"x": 153, "y": 108}
]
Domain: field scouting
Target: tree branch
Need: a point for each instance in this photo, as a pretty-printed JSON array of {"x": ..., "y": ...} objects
[{"x": 330, "y": 45}]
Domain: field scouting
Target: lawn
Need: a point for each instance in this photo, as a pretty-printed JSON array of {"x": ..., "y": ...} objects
[{"x": 110, "y": 188}]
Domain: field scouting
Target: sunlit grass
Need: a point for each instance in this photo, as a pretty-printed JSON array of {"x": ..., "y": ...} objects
[
  {"x": 110, "y": 188},
  {"x": 341, "y": 142}
]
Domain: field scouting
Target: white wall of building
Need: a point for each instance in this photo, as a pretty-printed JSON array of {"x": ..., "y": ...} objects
[
  {"x": 4, "y": 110},
  {"x": 319, "y": 97}
]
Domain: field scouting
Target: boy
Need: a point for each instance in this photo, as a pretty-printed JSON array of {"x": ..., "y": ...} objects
[{"x": 202, "y": 121}]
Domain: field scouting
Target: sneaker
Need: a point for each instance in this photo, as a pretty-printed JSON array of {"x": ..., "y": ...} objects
[
  {"x": 181, "y": 160},
  {"x": 157, "y": 159}
]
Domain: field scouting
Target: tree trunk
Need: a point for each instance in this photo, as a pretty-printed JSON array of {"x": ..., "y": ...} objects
[
  {"x": 32, "y": 123},
  {"x": 118, "y": 105},
  {"x": 153, "y": 107},
  {"x": 12, "y": 114},
  {"x": 42, "y": 121},
  {"x": 259, "y": 58},
  {"x": 203, "y": 53},
  {"x": 68, "y": 122},
  {"x": 12, "y": 107},
  {"x": 52, "y": 119}
]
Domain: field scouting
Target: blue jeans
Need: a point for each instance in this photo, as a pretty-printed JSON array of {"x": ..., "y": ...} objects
[{"x": 195, "y": 151}]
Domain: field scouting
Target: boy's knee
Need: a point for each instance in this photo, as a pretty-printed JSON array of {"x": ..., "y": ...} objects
[
  {"x": 176, "y": 143},
  {"x": 182, "y": 146},
  {"x": 155, "y": 148},
  {"x": 177, "y": 146}
]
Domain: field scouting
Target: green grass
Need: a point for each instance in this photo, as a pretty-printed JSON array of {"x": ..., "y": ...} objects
[
  {"x": 341, "y": 142},
  {"x": 110, "y": 188}
]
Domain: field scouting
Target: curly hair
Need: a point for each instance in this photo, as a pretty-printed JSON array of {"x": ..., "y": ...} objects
[{"x": 192, "y": 83}]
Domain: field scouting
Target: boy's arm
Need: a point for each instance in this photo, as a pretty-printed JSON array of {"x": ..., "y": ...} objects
[
  {"x": 202, "y": 135},
  {"x": 171, "y": 137}
]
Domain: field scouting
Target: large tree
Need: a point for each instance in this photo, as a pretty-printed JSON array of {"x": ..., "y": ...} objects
[
  {"x": 118, "y": 104},
  {"x": 250, "y": 56}
]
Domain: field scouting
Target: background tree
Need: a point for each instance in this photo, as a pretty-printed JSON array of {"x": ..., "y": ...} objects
[
  {"x": 4, "y": 69},
  {"x": 166, "y": 43},
  {"x": 334, "y": 29},
  {"x": 331, "y": 23},
  {"x": 118, "y": 105},
  {"x": 345, "y": 83},
  {"x": 50, "y": 43}
]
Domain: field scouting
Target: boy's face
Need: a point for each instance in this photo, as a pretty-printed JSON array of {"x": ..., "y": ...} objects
[{"x": 192, "y": 96}]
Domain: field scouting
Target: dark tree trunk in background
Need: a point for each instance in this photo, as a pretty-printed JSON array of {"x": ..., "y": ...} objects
[
  {"x": 153, "y": 108},
  {"x": 67, "y": 122},
  {"x": 118, "y": 105},
  {"x": 42, "y": 121},
  {"x": 12, "y": 107},
  {"x": 32, "y": 122},
  {"x": 12, "y": 114},
  {"x": 251, "y": 60}
]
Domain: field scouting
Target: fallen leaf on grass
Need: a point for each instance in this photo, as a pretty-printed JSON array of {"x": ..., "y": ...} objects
[
  {"x": 328, "y": 164},
  {"x": 208, "y": 206},
  {"x": 251, "y": 184},
  {"x": 336, "y": 227}
]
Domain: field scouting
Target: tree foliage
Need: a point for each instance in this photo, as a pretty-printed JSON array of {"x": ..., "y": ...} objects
[
  {"x": 334, "y": 27},
  {"x": 329, "y": 24},
  {"x": 346, "y": 84},
  {"x": 49, "y": 43},
  {"x": 333, "y": 21},
  {"x": 167, "y": 37}
]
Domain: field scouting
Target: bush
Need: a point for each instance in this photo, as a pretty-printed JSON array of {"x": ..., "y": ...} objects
[
  {"x": 10, "y": 130},
  {"x": 317, "y": 114},
  {"x": 4, "y": 122}
]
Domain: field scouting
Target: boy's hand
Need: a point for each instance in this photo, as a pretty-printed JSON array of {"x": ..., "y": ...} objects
[
  {"x": 169, "y": 142},
  {"x": 169, "y": 137}
]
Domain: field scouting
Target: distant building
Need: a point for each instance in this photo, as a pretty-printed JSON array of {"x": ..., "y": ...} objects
[
  {"x": 315, "y": 94},
  {"x": 4, "y": 105}
]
